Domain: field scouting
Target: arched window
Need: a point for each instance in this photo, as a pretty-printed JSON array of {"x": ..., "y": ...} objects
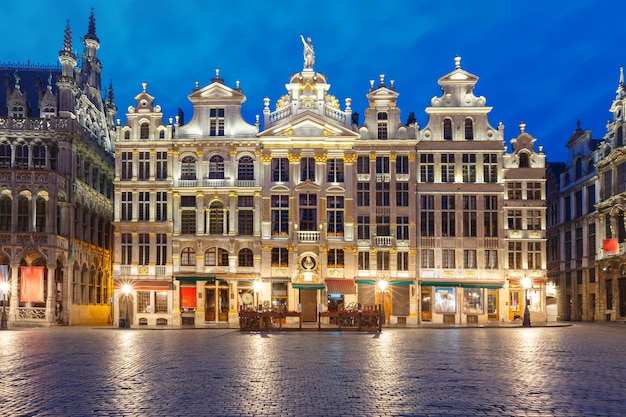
[
  {"x": 245, "y": 170},
  {"x": 188, "y": 168},
  {"x": 188, "y": 257},
  {"x": 5, "y": 213},
  {"x": 216, "y": 167},
  {"x": 523, "y": 160},
  {"x": 216, "y": 218},
  {"x": 23, "y": 213},
  {"x": 144, "y": 132},
  {"x": 21, "y": 156},
  {"x": 447, "y": 129},
  {"x": 246, "y": 258},
  {"x": 127, "y": 134},
  {"x": 5, "y": 156},
  {"x": 39, "y": 156},
  {"x": 579, "y": 168},
  {"x": 589, "y": 167},
  {"x": 469, "y": 129},
  {"x": 41, "y": 211},
  {"x": 162, "y": 134}
]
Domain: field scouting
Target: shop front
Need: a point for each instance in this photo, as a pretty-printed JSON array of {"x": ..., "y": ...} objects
[{"x": 459, "y": 303}]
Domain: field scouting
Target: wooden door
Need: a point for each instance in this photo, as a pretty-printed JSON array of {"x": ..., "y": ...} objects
[
  {"x": 492, "y": 305},
  {"x": 308, "y": 300},
  {"x": 427, "y": 313},
  {"x": 210, "y": 308}
]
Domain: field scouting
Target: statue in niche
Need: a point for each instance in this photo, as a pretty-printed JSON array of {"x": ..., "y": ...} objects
[{"x": 309, "y": 53}]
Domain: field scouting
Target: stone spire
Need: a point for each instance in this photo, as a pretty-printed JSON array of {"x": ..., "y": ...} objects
[{"x": 91, "y": 32}]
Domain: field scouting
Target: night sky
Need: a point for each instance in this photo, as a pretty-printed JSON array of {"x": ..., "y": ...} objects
[{"x": 547, "y": 63}]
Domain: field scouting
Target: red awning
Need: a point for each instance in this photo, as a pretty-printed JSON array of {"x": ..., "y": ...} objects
[
  {"x": 188, "y": 297},
  {"x": 340, "y": 286}
]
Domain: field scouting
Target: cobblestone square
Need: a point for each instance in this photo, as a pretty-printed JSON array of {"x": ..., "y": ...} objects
[{"x": 577, "y": 370}]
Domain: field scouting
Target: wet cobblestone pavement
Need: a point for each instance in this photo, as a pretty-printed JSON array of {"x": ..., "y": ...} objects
[{"x": 578, "y": 370}]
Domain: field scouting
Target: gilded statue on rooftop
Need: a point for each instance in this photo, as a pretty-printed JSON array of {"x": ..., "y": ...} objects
[{"x": 309, "y": 53}]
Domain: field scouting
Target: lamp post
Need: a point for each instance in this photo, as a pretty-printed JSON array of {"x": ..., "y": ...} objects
[
  {"x": 257, "y": 285},
  {"x": 126, "y": 289},
  {"x": 382, "y": 286},
  {"x": 526, "y": 284},
  {"x": 4, "y": 290}
]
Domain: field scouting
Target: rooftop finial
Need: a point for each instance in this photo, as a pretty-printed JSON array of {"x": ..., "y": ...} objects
[
  {"x": 522, "y": 127},
  {"x": 144, "y": 85},
  {"x": 382, "y": 80},
  {"x": 621, "y": 75},
  {"x": 67, "y": 40},
  {"x": 457, "y": 62},
  {"x": 111, "y": 98},
  {"x": 91, "y": 32}
]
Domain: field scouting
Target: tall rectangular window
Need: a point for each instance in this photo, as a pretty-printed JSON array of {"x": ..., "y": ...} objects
[
  {"x": 144, "y": 248},
  {"x": 607, "y": 188},
  {"x": 383, "y": 226},
  {"x": 402, "y": 263},
  {"x": 469, "y": 215},
  {"x": 160, "y": 303},
  {"x": 402, "y": 194},
  {"x": 402, "y": 228},
  {"x": 127, "y": 206},
  {"x": 161, "y": 249},
  {"x": 382, "y": 194},
  {"x": 490, "y": 167},
  {"x": 427, "y": 258},
  {"x": 447, "y": 167},
  {"x": 144, "y": 206},
  {"x": 280, "y": 169},
  {"x": 161, "y": 206},
  {"x": 567, "y": 208},
  {"x": 382, "y": 165},
  {"x": 427, "y": 168},
  {"x": 568, "y": 245},
  {"x": 127, "y": 249},
  {"x": 382, "y": 125},
  {"x": 382, "y": 260},
  {"x": 591, "y": 198},
  {"x": 533, "y": 190},
  {"x": 448, "y": 259},
  {"x": 363, "y": 165},
  {"x": 216, "y": 122},
  {"x": 515, "y": 255},
  {"x": 307, "y": 169},
  {"x": 245, "y": 215},
  {"x": 127, "y": 166},
  {"x": 280, "y": 257},
  {"x": 363, "y": 260},
  {"x": 363, "y": 227},
  {"x": 579, "y": 243},
  {"x": 188, "y": 221},
  {"x": 533, "y": 220},
  {"x": 144, "y": 166},
  {"x": 427, "y": 215},
  {"x": 534, "y": 255},
  {"x": 469, "y": 258},
  {"x": 514, "y": 190},
  {"x": 363, "y": 194},
  {"x": 578, "y": 204},
  {"x": 491, "y": 259},
  {"x": 448, "y": 216},
  {"x": 161, "y": 165},
  {"x": 514, "y": 219},
  {"x": 335, "y": 214},
  {"x": 591, "y": 240},
  {"x": 334, "y": 168},
  {"x": 469, "y": 167},
  {"x": 280, "y": 215},
  {"x": 308, "y": 212},
  {"x": 402, "y": 164},
  {"x": 143, "y": 301},
  {"x": 490, "y": 216},
  {"x": 335, "y": 258}
]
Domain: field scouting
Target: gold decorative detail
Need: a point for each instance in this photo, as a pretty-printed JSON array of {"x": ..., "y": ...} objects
[
  {"x": 332, "y": 101},
  {"x": 257, "y": 152},
  {"x": 294, "y": 157},
  {"x": 392, "y": 157},
  {"x": 372, "y": 156},
  {"x": 288, "y": 132},
  {"x": 232, "y": 152},
  {"x": 320, "y": 158},
  {"x": 411, "y": 157},
  {"x": 266, "y": 158},
  {"x": 349, "y": 159},
  {"x": 327, "y": 132}
]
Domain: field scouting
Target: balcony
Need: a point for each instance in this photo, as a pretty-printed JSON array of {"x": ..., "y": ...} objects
[
  {"x": 383, "y": 177},
  {"x": 384, "y": 241},
  {"x": 308, "y": 236}
]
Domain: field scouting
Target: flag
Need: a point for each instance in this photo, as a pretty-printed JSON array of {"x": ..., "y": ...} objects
[{"x": 31, "y": 284}]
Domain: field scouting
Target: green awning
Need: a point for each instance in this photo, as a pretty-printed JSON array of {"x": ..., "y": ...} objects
[
  {"x": 459, "y": 284},
  {"x": 194, "y": 278},
  {"x": 309, "y": 286}
]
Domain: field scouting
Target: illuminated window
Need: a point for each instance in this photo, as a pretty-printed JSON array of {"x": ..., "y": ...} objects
[
  {"x": 144, "y": 131},
  {"x": 246, "y": 257},
  {"x": 216, "y": 122},
  {"x": 188, "y": 257},
  {"x": 382, "y": 125},
  {"x": 469, "y": 129},
  {"x": 447, "y": 129},
  {"x": 216, "y": 167}
]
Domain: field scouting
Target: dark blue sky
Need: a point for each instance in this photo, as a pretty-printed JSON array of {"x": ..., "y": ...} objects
[{"x": 547, "y": 63}]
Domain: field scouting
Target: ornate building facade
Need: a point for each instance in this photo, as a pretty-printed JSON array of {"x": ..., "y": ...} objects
[
  {"x": 311, "y": 211},
  {"x": 56, "y": 189}
]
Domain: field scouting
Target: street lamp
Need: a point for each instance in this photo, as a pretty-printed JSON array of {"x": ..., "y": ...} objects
[
  {"x": 4, "y": 290},
  {"x": 126, "y": 289},
  {"x": 257, "y": 285},
  {"x": 382, "y": 286},
  {"x": 526, "y": 284}
]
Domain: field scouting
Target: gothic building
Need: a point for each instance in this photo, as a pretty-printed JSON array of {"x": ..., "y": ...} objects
[
  {"x": 56, "y": 189},
  {"x": 310, "y": 211}
]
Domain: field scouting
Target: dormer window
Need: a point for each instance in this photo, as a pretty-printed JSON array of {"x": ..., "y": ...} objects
[
  {"x": 579, "y": 168},
  {"x": 144, "y": 131},
  {"x": 524, "y": 162},
  {"x": 469, "y": 129},
  {"x": 447, "y": 129},
  {"x": 216, "y": 122},
  {"x": 382, "y": 125},
  {"x": 17, "y": 110}
]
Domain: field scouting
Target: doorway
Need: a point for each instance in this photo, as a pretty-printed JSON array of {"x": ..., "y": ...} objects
[
  {"x": 492, "y": 305},
  {"x": 308, "y": 300},
  {"x": 622, "y": 297},
  {"x": 427, "y": 314},
  {"x": 216, "y": 308}
]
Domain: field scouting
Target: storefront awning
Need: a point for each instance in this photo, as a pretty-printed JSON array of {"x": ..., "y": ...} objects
[
  {"x": 460, "y": 284},
  {"x": 194, "y": 278},
  {"x": 340, "y": 286},
  {"x": 308, "y": 286}
]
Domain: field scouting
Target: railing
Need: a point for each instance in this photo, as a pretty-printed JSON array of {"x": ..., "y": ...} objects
[
  {"x": 186, "y": 183},
  {"x": 402, "y": 177},
  {"x": 386, "y": 241},
  {"x": 31, "y": 313},
  {"x": 336, "y": 114},
  {"x": 245, "y": 183},
  {"x": 383, "y": 177},
  {"x": 279, "y": 114},
  {"x": 308, "y": 236},
  {"x": 367, "y": 319},
  {"x": 252, "y": 320}
]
